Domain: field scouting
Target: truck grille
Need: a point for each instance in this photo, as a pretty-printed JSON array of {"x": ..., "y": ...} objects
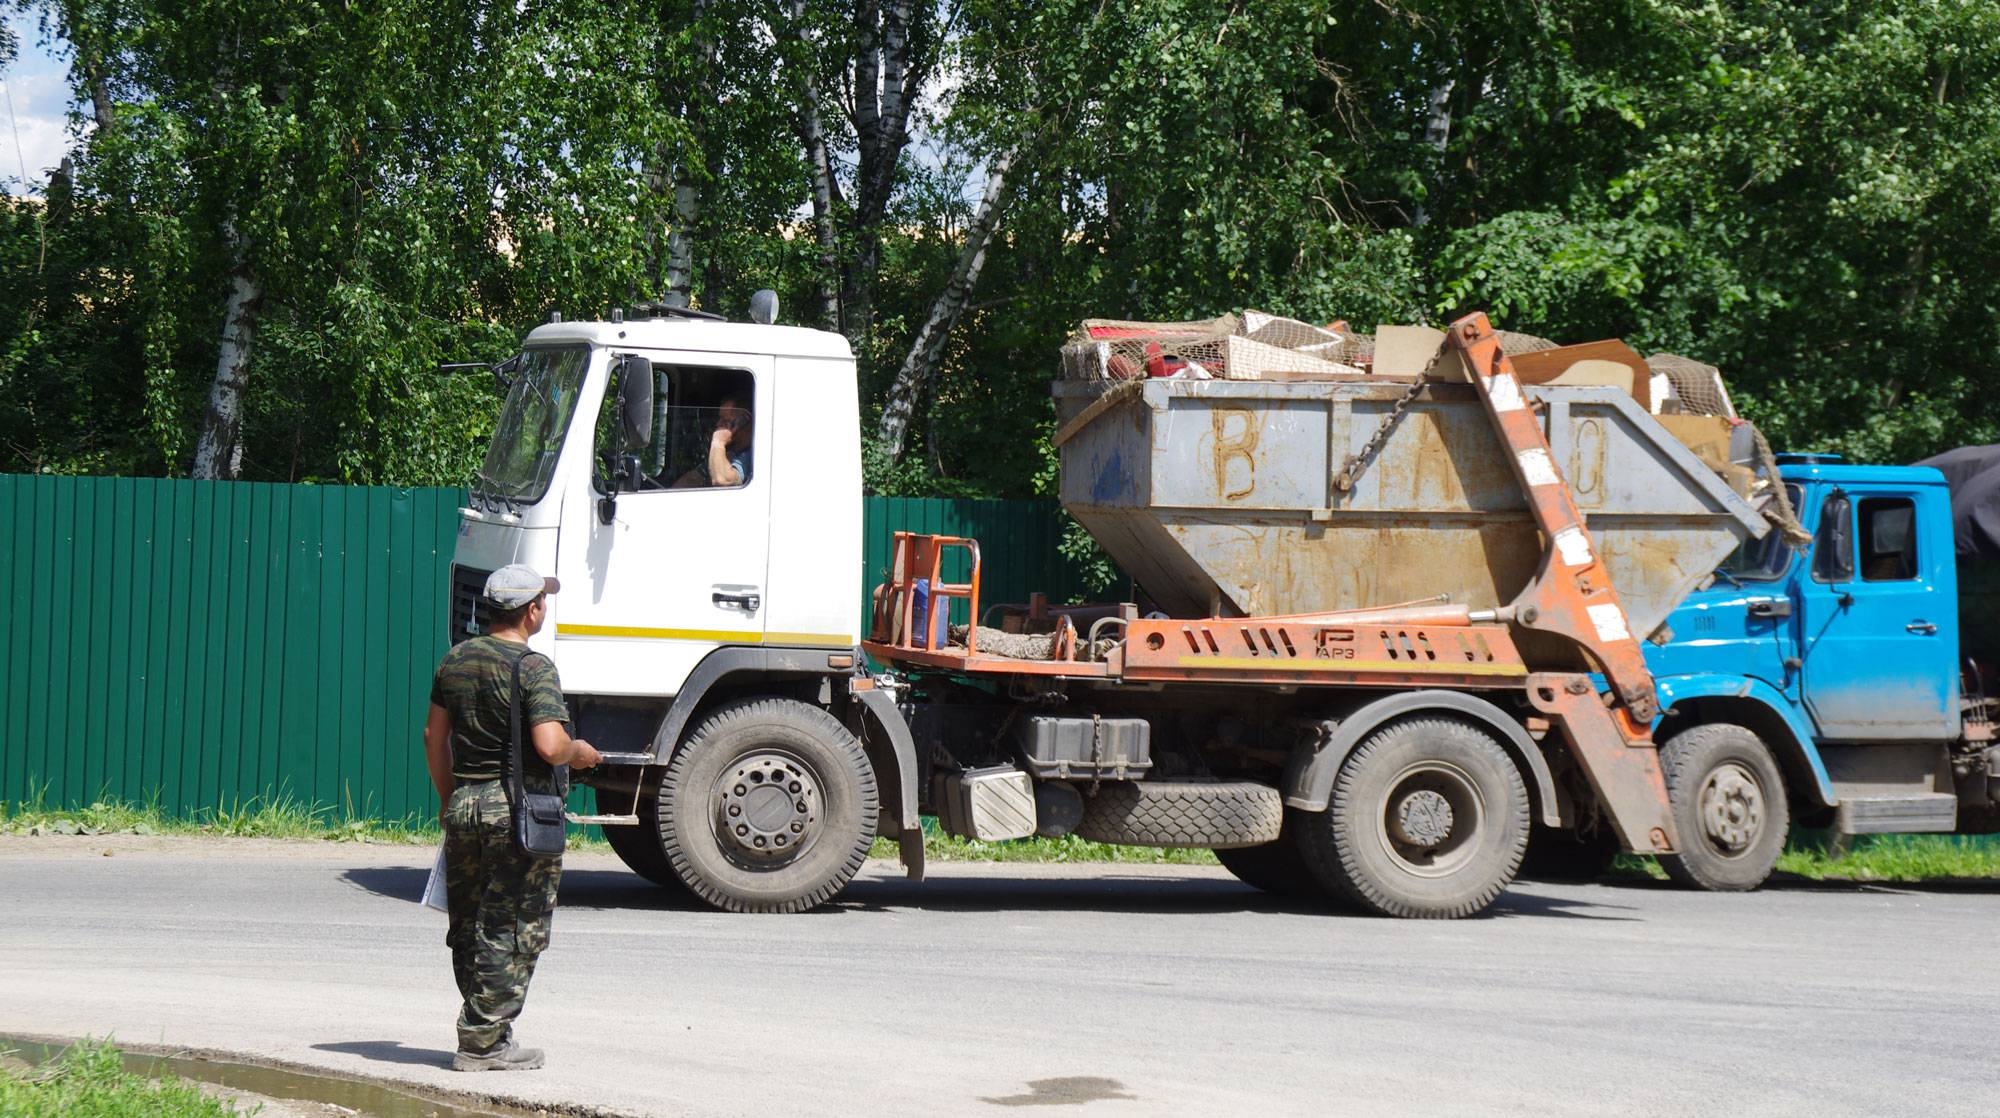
[{"x": 467, "y": 584}]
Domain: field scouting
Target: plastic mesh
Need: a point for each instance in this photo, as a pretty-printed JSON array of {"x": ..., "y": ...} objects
[
  {"x": 1697, "y": 388},
  {"x": 1512, "y": 343}
]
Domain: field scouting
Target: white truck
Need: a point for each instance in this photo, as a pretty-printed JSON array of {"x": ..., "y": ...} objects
[{"x": 696, "y": 485}]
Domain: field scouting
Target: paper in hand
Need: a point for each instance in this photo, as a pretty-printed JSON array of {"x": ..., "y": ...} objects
[{"x": 434, "y": 894}]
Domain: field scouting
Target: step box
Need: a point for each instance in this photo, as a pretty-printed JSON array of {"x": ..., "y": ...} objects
[
  {"x": 990, "y": 805},
  {"x": 1897, "y": 815}
]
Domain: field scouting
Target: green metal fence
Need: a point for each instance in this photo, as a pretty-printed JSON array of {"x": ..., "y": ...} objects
[{"x": 206, "y": 643}]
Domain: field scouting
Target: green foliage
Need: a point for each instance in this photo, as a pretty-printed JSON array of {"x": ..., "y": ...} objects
[
  {"x": 1895, "y": 858},
  {"x": 1796, "y": 192},
  {"x": 89, "y": 1080}
]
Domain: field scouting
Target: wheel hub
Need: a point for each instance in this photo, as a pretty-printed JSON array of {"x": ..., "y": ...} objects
[
  {"x": 767, "y": 808},
  {"x": 1432, "y": 819},
  {"x": 1732, "y": 808},
  {"x": 1423, "y": 819}
]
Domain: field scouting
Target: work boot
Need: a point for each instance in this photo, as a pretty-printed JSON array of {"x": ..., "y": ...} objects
[{"x": 507, "y": 1057}]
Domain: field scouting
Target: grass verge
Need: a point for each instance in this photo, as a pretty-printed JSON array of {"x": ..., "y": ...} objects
[
  {"x": 949, "y": 848},
  {"x": 278, "y": 815},
  {"x": 1889, "y": 859},
  {"x": 90, "y": 1079},
  {"x": 1883, "y": 858},
  {"x": 283, "y": 816},
  {"x": 1892, "y": 858}
]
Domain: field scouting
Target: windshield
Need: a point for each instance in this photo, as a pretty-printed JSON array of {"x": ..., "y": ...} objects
[
  {"x": 1762, "y": 560},
  {"x": 529, "y": 437}
]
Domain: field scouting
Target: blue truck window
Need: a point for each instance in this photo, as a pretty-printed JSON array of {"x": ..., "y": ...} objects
[
  {"x": 1833, "y": 543},
  {"x": 1766, "y": 559},
  {"x": 1888, "y": 539}
]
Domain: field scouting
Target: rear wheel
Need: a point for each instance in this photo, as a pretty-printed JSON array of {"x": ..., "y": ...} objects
[
  {"x": 1277, "y": 867},
  {"x": 769, "y": 807},
  {"x": 1729, "y": 806},
  {"x": 1428, "y": 818}
]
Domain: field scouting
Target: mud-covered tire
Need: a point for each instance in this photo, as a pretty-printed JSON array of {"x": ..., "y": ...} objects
[
  {"x": 1729, "y": 808},
  {"x": 769, "y": 806},
  {"x": 1555, "y": 855},
  {"x": 1215, "y": 814},
  {"x": 1383, "y": 840},
  {"x": 1275, "y": 867},
  {"x": 639, "y": 847}
]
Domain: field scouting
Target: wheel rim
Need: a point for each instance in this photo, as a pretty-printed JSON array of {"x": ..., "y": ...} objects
[
  {"x": 768, "y": 808},
  {"x": 1732, "y": 809},
  {"x": 1431, "y": 819}
]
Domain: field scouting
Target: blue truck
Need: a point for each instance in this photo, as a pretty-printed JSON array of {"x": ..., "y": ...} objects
[{"x": 1842, "y": 685}]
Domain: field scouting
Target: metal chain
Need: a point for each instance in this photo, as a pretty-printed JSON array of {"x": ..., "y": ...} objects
[{"x": 1356, "y": 462}]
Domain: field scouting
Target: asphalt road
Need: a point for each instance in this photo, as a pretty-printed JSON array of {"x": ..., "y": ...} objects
[{"x": 1097, "y": 990}]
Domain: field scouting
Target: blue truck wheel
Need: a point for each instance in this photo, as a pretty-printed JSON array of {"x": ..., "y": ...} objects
[{"x": 1729, "y": 806}]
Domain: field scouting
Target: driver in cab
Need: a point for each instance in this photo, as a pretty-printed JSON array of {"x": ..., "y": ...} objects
[{"x": 728, "y": 449}]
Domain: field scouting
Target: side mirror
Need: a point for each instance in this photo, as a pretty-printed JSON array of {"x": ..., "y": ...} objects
[{"x": 635, "y": 403}]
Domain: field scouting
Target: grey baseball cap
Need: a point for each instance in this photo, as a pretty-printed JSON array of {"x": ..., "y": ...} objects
[{"x": 517, "y": 584}]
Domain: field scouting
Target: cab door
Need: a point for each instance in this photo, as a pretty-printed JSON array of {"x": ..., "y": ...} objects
[
  {"x": 1876, "y": 627},
  {"x": 674, "y": 566}
]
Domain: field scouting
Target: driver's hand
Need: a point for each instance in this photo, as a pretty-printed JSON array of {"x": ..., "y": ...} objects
[{"x": 585, "y": 755}]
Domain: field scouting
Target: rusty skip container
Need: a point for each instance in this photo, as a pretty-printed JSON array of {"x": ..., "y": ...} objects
[{"x": 1220, "y": 497}]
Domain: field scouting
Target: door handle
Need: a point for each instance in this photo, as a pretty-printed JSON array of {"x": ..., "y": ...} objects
[
  {"x": 1771, "y": 607},
  {"x": 747, "y": 602},
  {"x": 1924, "y": 627}
]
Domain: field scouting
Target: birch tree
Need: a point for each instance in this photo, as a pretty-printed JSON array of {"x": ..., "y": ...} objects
[{"x": 927, "y": 350}]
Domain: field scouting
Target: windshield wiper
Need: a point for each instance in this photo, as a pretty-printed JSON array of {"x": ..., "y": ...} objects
[
  {"x": 1733, "y": 581},
  {"x": 486, "y": 493}
]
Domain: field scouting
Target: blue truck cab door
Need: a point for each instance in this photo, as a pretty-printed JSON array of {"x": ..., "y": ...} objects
[{"x": 1879, "y": 615}]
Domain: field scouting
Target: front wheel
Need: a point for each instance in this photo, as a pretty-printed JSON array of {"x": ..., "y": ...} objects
[
  {"x": 1429, "y": 817},
  {"x": 1729, "y": 806},
  {"x": 769, "y": 807}
]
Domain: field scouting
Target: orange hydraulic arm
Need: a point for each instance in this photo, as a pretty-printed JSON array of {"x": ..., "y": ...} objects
[{"x": 1572, "y": 595}]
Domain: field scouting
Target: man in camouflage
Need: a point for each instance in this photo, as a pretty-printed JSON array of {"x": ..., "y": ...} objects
[{"x": 500, "y": 900}]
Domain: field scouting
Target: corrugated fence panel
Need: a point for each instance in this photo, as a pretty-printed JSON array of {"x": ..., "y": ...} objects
[{"x": 206, "y": 644}]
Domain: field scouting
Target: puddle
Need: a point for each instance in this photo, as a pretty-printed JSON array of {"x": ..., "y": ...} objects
[{"x": 368, "y": 1100}]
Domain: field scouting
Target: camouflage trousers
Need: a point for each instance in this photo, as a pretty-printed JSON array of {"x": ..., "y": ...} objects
[{"x": 501, "y": 902}]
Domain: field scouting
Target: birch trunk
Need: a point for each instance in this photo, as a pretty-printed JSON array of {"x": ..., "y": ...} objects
[
  {"x": 823, "y": 193},
  {"x": 889, "y": 71},
  {"x": 927, "y": 352},
  {"x": 1437, "y": 134},
  {"x": 218, "y": 454},
  {"x": 825, "y": 188},
  {"x": 680, "y": 241},
  {"x": 680, "y": 171}
]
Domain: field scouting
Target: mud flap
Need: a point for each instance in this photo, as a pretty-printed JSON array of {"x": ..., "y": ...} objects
[{"x": 878, "y": 708}]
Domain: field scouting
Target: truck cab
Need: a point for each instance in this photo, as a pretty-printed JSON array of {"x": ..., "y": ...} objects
[
  {"x": 652, "y": 551},
  {"x": 1843, "y": 658},
  {"x": 695, "y": 485}
]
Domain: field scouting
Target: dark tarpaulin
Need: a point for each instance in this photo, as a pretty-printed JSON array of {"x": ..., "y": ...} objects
[{"x": 1973, "y": 473}]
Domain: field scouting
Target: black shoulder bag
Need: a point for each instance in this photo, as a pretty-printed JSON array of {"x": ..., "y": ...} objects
[{"x": 537, "y": 816}]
